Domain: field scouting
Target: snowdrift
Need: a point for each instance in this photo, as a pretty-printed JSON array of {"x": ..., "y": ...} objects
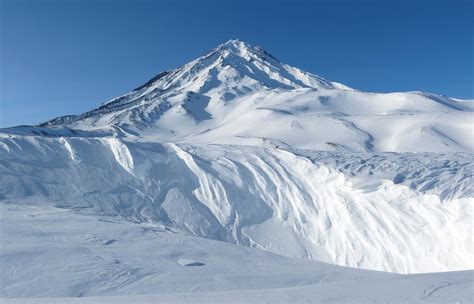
[{"x": 294, "y": 203}]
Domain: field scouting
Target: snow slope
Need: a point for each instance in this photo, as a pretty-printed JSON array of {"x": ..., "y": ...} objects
[
  {"x": 236, "y": 146},
  {"x": 285, "y": 202},
  {"x": 60, "y": 256},
  {"x": 240, "y": 94}
]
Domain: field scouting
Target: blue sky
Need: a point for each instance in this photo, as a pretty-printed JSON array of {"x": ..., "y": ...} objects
[{"x": 66, "y": 57}]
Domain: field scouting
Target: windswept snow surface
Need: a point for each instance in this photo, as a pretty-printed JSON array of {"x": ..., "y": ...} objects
[
  {"x": 131, "y": 199},
  {"x": 296, "y": 204},
  {"x": 61, "y": 256}
]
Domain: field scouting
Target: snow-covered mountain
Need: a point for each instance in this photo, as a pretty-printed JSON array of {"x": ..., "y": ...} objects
[
  {"x": 239, "y": 147},
  {"x": 240, "y": 94}
]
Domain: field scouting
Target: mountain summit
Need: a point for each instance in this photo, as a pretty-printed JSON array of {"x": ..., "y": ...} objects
[
  {"x": 239, "y": 93},
  {"x": 237, "y": 64},
  {"x": 234, "y": 68}
]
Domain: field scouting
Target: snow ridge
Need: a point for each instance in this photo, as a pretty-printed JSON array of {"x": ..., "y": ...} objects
[{"x": 285, "y": 202}]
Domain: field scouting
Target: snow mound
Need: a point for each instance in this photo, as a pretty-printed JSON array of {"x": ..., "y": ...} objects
[{"x": 189, "y": 262}]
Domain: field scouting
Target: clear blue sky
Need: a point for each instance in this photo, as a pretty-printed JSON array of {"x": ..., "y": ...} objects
[{"x": 66, "y": 57}]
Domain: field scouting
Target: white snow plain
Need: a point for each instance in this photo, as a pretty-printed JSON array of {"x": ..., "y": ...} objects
[{"x": 231, "y": 179}]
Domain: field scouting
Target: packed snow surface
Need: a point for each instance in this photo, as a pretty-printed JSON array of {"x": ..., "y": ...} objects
[
  {"x": 148, "y": 197},
  {"x": 61, "y": 256}
]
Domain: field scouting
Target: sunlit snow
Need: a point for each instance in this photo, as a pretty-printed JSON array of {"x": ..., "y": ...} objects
[{"x": 237, "y": 178}]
